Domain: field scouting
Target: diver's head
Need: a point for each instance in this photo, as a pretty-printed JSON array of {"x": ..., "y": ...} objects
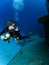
[{"x": 11, "y": 23}]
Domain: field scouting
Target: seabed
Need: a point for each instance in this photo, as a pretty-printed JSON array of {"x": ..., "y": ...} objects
[{"x": 34, "y": 52}]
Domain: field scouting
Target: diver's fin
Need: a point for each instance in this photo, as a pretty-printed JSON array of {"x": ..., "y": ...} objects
[{"x": 30, "y": 34}]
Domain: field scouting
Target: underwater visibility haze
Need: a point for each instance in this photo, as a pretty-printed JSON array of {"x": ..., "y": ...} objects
[{"x": 27, "y": 51}]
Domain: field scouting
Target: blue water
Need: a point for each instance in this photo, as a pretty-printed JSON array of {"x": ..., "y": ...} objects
[
  {"x": 26, "y": 14},
  {"x": 28, "y": 17}
]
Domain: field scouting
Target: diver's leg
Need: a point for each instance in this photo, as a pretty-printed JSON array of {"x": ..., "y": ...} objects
[
  {"x": 22, "y": 37},
  {"x": 19, "y": 36}
]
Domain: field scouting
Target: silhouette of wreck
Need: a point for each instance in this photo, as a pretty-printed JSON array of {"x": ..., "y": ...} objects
[{"x": 45, "y": 21}]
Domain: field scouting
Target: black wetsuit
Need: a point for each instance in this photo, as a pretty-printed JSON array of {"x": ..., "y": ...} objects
[{"x": 13, "y": 33}]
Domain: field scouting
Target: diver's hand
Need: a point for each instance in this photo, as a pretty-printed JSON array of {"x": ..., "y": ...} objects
[{"x": 16, "y": 29}]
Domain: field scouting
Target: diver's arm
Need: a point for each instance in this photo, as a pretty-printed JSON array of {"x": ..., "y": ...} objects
[{"x": 16, "y": 29}]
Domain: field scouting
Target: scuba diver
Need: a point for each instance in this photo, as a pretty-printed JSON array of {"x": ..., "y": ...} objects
[{"x": 12, "y": 31}]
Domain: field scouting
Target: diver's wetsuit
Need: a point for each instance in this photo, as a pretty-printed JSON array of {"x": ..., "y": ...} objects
[{"x": 13, "y": 33}]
